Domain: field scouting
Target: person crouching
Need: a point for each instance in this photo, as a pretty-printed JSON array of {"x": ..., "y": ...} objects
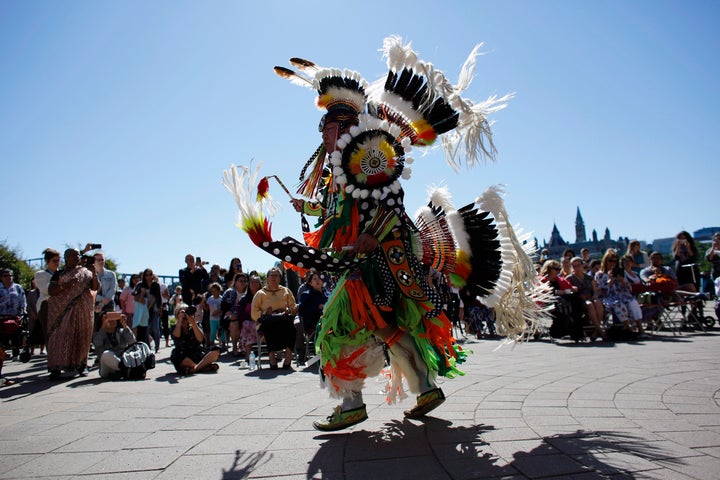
[{"x": 110, "y": 342}]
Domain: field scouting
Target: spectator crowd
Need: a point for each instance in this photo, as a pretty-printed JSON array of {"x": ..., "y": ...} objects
[
  {"x": 622, "y": 296},
  {"x": 77, "y": 306}
]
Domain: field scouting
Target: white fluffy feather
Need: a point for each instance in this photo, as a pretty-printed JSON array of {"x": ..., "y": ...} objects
[
  {"x": 440, "y": 195},
  {"x": 241, "y": 182},
  {"x": 519, "y": 302}
]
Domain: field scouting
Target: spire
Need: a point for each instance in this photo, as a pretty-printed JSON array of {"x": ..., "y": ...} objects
[
  {"x": 580, "y": 236},
  {"x": 555, "y": 238}
]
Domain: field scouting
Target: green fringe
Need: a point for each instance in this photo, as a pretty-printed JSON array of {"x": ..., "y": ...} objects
[
  {"x": 340, "y": 221},
  {"x": 337, "y": 325}
]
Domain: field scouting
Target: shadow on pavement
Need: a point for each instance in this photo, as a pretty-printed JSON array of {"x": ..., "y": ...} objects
[
  {"x": 244, "y": 464},
  {"x": 461, "y": 452}
]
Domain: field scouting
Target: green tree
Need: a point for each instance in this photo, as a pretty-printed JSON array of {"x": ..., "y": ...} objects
[
  {"x": 12, "y": 258},
  {"x": 111, "y": 264}
]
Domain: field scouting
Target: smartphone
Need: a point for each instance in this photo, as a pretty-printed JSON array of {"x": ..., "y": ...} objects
[{"x": 198, "y": 260}]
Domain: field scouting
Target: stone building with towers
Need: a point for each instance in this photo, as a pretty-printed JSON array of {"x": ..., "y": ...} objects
[{"x": 597, "y": 246}]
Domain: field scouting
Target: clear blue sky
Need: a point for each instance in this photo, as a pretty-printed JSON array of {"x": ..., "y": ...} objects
[{"x": 117, "y": 119}]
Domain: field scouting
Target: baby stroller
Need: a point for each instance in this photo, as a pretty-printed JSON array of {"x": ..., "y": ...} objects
[{"x": 13, "y": 336}]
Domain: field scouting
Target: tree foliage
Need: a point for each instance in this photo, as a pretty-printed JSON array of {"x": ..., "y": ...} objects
[{"x": 12, "y": 258}]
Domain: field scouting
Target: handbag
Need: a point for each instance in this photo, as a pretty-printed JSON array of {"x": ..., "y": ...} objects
[
  {"x": 10, "y": 326},
  {"x": 136, "y": 360},
  {"x": 276, "y": 318},
  {"x": 664, "y": 284}
]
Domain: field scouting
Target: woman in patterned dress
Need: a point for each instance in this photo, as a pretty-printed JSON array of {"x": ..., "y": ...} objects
[{"x": 70, "y": 316}]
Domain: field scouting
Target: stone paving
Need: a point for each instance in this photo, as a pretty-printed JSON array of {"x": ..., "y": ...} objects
[{"x": 552, "y": 410}]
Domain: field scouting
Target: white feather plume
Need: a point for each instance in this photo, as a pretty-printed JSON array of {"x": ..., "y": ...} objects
[{"x": 520, "y": 307}]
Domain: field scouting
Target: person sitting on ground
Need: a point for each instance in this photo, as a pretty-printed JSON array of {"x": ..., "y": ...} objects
[
  {"x": 189, "y": 356},
  {"x": 110, "y": 342}
]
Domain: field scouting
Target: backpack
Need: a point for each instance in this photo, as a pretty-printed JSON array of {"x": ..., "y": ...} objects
[{"x": 136, "y": 360}]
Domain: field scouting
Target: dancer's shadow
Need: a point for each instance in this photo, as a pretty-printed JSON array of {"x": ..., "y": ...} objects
[
  {"x": 434, "y": 448},
  {"x": 244, "y": 464},
  {"x": 456, "y": 452}
]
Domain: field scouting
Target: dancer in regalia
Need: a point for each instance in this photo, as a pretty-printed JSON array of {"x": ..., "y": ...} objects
[{"x": 382, "y": 300}]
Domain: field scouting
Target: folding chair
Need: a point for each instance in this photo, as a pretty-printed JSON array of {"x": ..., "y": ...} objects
[
  {"x": 677, "y": 312},
  {"x": 259, "y": 348},
  {"x": 308, "y": 342}
]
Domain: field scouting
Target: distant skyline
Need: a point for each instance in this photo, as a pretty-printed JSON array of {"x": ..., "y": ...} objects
[
  {"x": 118, "y": 118},
  {"x": 570, "y": 235}
]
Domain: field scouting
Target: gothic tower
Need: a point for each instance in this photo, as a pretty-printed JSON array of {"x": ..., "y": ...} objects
[
  {"x": 579, "y": 228},
  {"x": 555, "y": 239}
]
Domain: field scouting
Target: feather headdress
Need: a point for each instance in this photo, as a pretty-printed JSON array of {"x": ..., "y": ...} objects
[
  {"x": 419, "y": 98},
  {"x": 339, "y": 91}
]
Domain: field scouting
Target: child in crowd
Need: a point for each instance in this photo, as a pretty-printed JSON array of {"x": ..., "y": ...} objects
[{"x": 213, "y": 304}]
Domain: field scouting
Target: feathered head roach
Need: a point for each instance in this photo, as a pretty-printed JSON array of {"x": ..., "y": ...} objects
[{"x": 341, "y": 93}]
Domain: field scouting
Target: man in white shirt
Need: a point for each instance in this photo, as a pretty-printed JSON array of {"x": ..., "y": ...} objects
[{"x": 105, "y": 298}]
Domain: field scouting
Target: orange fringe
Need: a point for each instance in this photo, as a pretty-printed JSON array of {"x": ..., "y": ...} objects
[
  {"x": 343, "y": 369},
  {"x": 312, "y": 239},
  {"x": 364, "y": 311},
  {"x": 394, "y": 338},
  {"x": 348, "y": 234},
  {"x": 300, "y": 271},
  {"x": 438, "y": 331},
  {"x": 343, "y": 237}
]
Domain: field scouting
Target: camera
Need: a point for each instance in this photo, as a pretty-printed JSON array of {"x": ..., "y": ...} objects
[
  {"x": 113, "y": 317},
  {"x": 88, "y": 261},
  {"x": 190, "y": 311}
]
